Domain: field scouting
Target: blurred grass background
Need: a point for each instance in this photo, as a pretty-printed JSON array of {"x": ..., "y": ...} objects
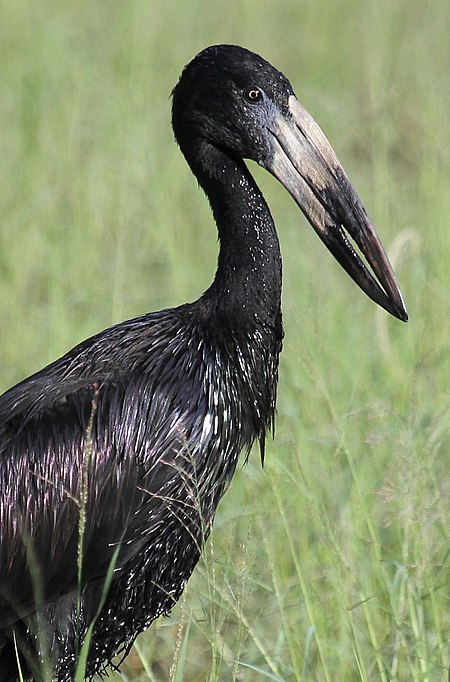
[{"x": 332, "y": 562}]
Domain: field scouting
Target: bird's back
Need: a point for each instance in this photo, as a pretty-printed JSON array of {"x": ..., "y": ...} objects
[{"x": 136, "y": 432}]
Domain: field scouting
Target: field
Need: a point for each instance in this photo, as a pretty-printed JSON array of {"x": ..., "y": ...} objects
[{"x": 332, "y": 562}]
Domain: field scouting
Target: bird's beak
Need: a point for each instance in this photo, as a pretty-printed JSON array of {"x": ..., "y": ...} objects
[{"x": 305, "y": 163}]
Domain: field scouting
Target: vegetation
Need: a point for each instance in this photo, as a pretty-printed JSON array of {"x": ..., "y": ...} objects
[{"x": 331, "y": 563}]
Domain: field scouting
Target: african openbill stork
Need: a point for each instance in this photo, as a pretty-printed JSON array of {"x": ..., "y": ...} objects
[{"x": 117, "y": 454}]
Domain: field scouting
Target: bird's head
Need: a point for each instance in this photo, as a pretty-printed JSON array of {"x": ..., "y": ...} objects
[
  {"x": 226, "y": 97},
  {"x": 233, "y": 100}
]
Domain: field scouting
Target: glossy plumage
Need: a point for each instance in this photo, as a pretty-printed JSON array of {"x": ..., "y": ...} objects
[{"x": 138, "y": 429}]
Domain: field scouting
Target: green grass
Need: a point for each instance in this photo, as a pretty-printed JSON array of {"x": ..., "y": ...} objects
[{"x": 332, "y": 562}]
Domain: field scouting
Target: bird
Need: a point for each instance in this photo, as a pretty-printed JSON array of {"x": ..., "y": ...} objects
[{"x": 113, "y": 458}]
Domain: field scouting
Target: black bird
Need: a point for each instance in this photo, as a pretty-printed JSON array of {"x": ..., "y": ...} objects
[{"x": 113, "y": 458}]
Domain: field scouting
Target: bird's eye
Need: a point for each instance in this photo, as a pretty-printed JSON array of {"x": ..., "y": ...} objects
[{"x": 253, "y": 95}]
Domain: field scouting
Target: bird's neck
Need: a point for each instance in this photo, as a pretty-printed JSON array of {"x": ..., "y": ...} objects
[{"x": 247, "y": 284}]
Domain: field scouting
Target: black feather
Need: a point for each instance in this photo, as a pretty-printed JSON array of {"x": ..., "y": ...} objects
[{"x": 116, "y": 455}]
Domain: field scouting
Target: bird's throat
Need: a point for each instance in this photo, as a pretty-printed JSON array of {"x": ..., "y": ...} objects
[{"x": 248, "y": 276}]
